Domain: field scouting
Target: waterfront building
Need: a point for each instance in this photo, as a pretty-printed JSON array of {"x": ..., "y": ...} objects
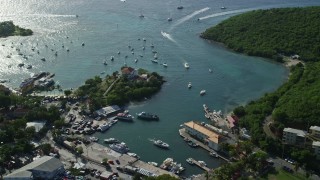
[
  {"x": 203, "y": 134},
  {"x": 294, "y": 136},
  {"x": 129, "y": 72},
  {"x": 316, "y": 147},
  {"x": 315, "y": 131},
  {"x": 46, "y": 167},
  {"x": 107, "y": 111}
]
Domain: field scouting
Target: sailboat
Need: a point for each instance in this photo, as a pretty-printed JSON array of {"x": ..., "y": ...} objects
[{"x": 180, "y": 7}]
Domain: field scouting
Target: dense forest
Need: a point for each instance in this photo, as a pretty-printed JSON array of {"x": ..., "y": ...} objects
[
  {"x": 7, "y": 28},
  {"x": 272, "y": 33}
]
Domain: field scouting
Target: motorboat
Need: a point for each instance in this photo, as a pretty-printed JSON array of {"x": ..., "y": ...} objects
[
  {"x": 186, "y": 65},
  {"x": 147, "y": 116},
  {"x": 155, "y": 56},
  {"x": 190, "y": 161},
  {"x": 29, "y": 67},
  {"x": 169, "y": 19},
  {"x": 136, "y": 60},
  {"x": 164, "y": 64},
  {"x": 111, "y": 141},
  {"x": 154, "y": 61},
  {"x": 192, "y": 144},
  {"x": 210, "y": 70},
  {"x": 141, "y": 16},
  {"x": 189, "y": 85},
  {"x": 213, "y": 154},
  {"x": 104, "y": 127},
  {"x": 105, "y": 63},
  {"x": 93, "y": 139},
  {"x": 161, "y": 144},
  {"x": 112, "y": 58},
  {"x": 124, "y": 117},
  {"x": 82, "y": 44},
  {"x": 223, "y": 7},
  {"x": 180, "y": 7},
  {"x": 43, "y": 59},
  {"x": 133, "y": 155},
  {"x": 202, "y": 92},
  {"x": 20, "y": 64},
  {"x": 118, "y": 52},
  {"x": 202, "y": 163}
]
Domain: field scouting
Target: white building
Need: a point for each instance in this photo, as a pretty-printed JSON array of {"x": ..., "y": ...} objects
[
  {"x": 315, "y": 131},
  {"x": 46, "y": 167},
  {"x": 294, "y": 136},
  {"x": 204, "y": 134},
  {"x": 316, "y": 147}
]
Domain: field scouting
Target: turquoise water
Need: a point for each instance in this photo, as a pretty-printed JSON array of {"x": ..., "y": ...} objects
[{"x": 107, "y": 27}]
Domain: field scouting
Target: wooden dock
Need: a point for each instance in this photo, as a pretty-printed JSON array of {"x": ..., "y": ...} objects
[{"x": 200, "y": 165}]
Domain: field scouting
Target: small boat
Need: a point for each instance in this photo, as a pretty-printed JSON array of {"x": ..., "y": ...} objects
[
  {"x": 164, "y": 64},
  {"x": 29, "y": 67},
  {"x": 103, "y": 72},
  {"x": 202, "y": 92},
  {"x": 152, "y": 46},
  {"x": 43, "y": 59},
  {"x": 202, "y": 163},
  {"x": 186, "y": 65},
  {"x": 8, "y": 56},
  {"x": 144, "y": 39},
  {"x": 118, "y": 52},
  {"x": 136, "y": 60},
  {"x": 169, "y": 19},
  {"x": 190, "y": 161},
  {"x": 147, "y": 116},
  {"x": 210, "y": 70},
  {"x": 189, "y": 85},
  {"x": 223, "y": 7},
  {"x": 56, "y": 53},
  {"x": 111, "y": 141},
  {"x": 82, "y": 44},
  {"x": 214, "y": 154},
  {"x": 155, "y": 56},
  {"x": 68, "y": 49},
  {"x": 93, "y": 139},
  {"x": 105, "y": 63},
  {"x": 192, "y": 144},
  {"x": 180, "y": 7},
  {"x": 153, "y": 164},
  {"x": 154, "y": 61},
  {"x": 20, "y": 64},
  {"x": 143, "y": 48},
  {"x": 161, "y": 144},
  {"x": 141, "y": 16},
  {"x": 112, "y": 58}
]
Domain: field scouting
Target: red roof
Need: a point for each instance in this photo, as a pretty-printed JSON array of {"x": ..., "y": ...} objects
[{"x": 127, "y": 70}]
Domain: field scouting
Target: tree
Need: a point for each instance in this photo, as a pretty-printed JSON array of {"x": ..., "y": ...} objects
[{"x": 67, "y": 92}]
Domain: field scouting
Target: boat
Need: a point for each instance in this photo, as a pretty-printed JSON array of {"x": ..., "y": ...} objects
[
  {"x": 147, "y": 116},
  {"x": 20, "y": 64},
  {"x": 210, "y": 70},
  {"x": 105, "y": 63},
  {"x": 120, "y": 148},
  {"x": 43, "y": 59},
  {"x": 104, "y": 127},
  {"x": 112, "y": 58},
  {"x": 189, "y": 85},
  {"x": 141, "y": 16},
  {"x": 118, "y": 52},
  {"x": 202, "y": 163},
  {"x": 223, "y": 7},
  {"x": 164, "y": 64},
  {"x": 180, "y": 7},
  {"x": 186, "y": 65},
  {"x": 155, "y": 56},
  {"x": 161, "y": 144},
  {"x": 169, "y": 19},
  {"x": 213, "y": 154},
  {"x": 136, "y": 60},
  {"x": 166, "y": 163},
  {"x": 93, "y": 139},
  {"x": 133, "y": 155},
  {"x": 82, "y": 44},
  {"x": 154, "y": 61},
  {"x": 190, "y": 161},
  {"x": 192, "y": 144},
  {"x": 29, "y": 67},
  {"x": 202, "y": 92},
  {"x": 153, "y": 164},
  {"x": 111, "y": 141},
  {"x": 124, "y": 117}
]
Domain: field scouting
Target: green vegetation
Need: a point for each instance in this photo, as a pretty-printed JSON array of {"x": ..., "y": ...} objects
[
  {"x": 123, "y": 91},
  {"x": 272, "y": 33},
  {"x": 7, "y": 28},
  {"x": 283, "y": 175}
]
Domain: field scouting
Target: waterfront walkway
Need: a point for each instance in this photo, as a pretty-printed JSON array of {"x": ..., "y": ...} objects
[
  {"x": 201, "y": 166},
  {"x": 183, "y": 134}
]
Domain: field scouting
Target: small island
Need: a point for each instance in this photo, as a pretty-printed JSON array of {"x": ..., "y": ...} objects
[
  {"x": 283, "y": 35},
  {"x": 7, "y": 28}
]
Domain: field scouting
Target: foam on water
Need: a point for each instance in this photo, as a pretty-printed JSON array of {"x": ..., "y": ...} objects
[
  {"x": 225, "y": 13},
  {"x": 168, "y": 36}
]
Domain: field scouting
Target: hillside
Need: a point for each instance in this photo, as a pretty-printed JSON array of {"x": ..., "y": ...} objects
[
  {"x": 7, "y": 28},
  {"x": 270, "y": 33}
]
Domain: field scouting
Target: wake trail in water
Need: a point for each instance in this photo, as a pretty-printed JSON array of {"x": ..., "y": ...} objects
[
  {"x": 186, "y": 18},
  {"x": 168, "y": 36},
  {"x": 226, "y": 13}
]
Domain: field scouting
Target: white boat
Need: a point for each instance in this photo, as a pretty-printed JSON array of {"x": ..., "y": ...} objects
[
  {"x": 93, "y": 139},
  {"x": 214, "y": 154},
  {"x": 161, "y": 144},
  {"x": 103, "y": 127},
  {"x": 190, "y": 161},
  {"x": 189, "y": 85},
  {"x": 153, "y": 164},
  {"x": 154, "y": 61},
  {"x": 186, "y": 65},
  {"x": 136, "y": 60},
  {"x": 111, "y": 140},
  {"x": 223, "y": 7},
  {"x": 155, "y": 56},
  {"x": 169, "y": 19},
  {"x": 202, "y": 163},
  {"x": 210, "y": 70},
  {"x": 202, "y": 92},
  {"x": 165, "y": 64}
]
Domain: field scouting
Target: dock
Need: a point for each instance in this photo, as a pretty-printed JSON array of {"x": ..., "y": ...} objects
[
  {"x": 201, "y": 166},
  {"x": 213, "y": 116},
  {"x": 186, "y": 135}
]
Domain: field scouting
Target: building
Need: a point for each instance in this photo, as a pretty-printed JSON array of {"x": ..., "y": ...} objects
[
  {"x": 107, "y": 111},
  {"x": 129, "y": 72},
  {"x": 294, "y": 137},
  {"x": 315, "y": 131},
  {"x": 46, "y": 167},
  {"x": 204, "y": 134},
  {"x": 38, "y": 125},
  {"x": 316, "y": 147}
]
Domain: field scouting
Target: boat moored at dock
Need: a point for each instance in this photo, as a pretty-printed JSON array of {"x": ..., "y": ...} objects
[
  {"x": 120, "y": 148},
  {"x": 147, "y": 116},
  {"x": 111, "y": 141}
]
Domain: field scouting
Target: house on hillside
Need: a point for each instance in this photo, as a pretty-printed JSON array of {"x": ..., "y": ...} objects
[
  {"x": 316, "y": 147},
  {"x": 129, "y": 72},
  {"x": 294, "y": 137},
  {"x": 315, "y": 131}
]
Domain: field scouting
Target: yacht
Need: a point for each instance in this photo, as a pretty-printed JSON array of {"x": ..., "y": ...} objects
[
  {"x": 111, "y": 141},
  {"x": 124, "y": 117},
  {"x": 190, "y": 161},
  {"x": 164, "y": 64},
  {"x": 202, "y": 92},
  {"x": 189, "y": 85},
  {"x": 120, "y": 148},
  {"x": 186, "y": 65},
  {"x": 147, "y": 116},
  {"x": 161, "y": 144}
]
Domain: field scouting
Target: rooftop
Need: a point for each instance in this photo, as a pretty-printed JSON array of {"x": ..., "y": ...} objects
[
  {"x": 212, "y": 136},
  {"x": 316, "y": 143},
  {"x": 317, "y": 128},
  {"x": 295, "y": 131}
]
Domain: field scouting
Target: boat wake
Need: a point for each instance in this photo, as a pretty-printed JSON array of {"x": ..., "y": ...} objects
[
  {"x": 186, "y": 18},
  {"x": 226, "y": 13},
  {"x": 168, "y": 36}
]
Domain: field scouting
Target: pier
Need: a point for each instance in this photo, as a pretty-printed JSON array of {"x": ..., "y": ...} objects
[
  {"x": 213, "y": 116},
  {"x": 201, "y": 166},
  {"x": 186, "y": 135}
]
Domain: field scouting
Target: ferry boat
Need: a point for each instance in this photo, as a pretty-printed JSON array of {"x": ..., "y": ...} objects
[
  {"x": 124, "y": 117},
  {"x": 120, "y": 148},
  {"x": 147, "y": 116},
  {"x": 161, "y": 144},
  {"x": 190, "y": 161},
  {"x": 111, "y": 141}
]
